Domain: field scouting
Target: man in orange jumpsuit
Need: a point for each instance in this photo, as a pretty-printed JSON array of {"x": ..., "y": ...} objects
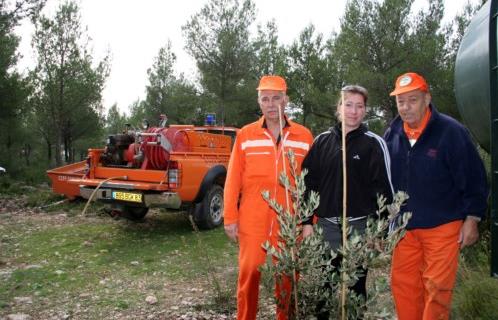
[{"x": 257, "y": 159}]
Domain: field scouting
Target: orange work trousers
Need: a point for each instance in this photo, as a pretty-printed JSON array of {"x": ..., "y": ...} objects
[
  {"x": 251, "y": 257},
  {"x": 423, "y": 272}
]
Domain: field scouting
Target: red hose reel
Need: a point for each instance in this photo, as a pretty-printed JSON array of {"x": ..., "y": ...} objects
[{"x": 157, "y": 143}]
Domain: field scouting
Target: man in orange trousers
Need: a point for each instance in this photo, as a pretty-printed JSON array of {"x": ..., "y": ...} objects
[
  {"x": 435, "y": 161},
  {"x": 258, "y": 157}
]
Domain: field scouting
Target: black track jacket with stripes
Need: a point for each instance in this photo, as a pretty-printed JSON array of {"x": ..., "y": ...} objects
[{"x": 368, "y": 170}]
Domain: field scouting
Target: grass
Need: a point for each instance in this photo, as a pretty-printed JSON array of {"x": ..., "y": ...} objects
[
  {"x": 102, "y": 265},
  {"x": 95, "y": 267}
]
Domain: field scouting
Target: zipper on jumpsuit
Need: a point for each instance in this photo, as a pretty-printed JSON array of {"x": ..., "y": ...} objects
[{"x": 278, "y": 152}]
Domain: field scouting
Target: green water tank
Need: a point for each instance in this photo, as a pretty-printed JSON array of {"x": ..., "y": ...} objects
[
  {"x": 476, "y": 91},
  {"x": 472, "y": 76}
]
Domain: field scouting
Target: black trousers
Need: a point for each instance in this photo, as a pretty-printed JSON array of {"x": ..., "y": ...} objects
[{"x": 332, "y": 234}]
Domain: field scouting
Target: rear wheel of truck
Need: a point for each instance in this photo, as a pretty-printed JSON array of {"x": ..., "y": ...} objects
[
  {"x": 208, "y": 213},
  {"x": 129, "y": 212},
  {"x": 136, "y": 213}
]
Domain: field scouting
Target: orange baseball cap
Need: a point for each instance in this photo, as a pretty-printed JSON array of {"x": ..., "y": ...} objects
[
  {"x": 272, "y": 83},
  {"x": 408, "y": 82}
]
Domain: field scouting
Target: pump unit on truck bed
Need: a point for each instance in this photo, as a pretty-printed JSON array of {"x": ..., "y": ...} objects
[{"x": 175, "y": 167}]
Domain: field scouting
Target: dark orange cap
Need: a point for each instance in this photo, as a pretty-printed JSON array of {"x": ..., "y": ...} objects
[
  {"x": 272, "y": 83},
  {"x": 408, "y": 82}
]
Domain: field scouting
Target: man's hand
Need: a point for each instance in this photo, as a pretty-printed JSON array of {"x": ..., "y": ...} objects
[
  {"x": 469, "y": 233},
  {"x": 232, "y": 231},
  {"x": 307, "y": 230}
]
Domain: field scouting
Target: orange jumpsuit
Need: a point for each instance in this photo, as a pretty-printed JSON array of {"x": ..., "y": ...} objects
[{"x": 255, "y": 164}]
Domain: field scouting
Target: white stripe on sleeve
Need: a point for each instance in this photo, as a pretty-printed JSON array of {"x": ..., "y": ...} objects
[{"x": 385, "y": 152}]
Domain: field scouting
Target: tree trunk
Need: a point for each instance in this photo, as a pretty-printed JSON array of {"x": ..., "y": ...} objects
[
  {"x": 49, "y": 151},
  {"x": 58, "y": 151},
  {"x": 27, "y": 153},
  {"x": 305, "y": 114},
  {"x": 221, "y": 110},
  {"x": 60, "y": 129},
  {"x": 66, "y": 149},
  {"x": 9, "y": 145}
]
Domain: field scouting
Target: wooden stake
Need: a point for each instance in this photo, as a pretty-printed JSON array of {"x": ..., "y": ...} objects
[
  {"x": 287, "y": 201},
  {"x": 344, "y": 208},
  {"x": 281, "y": 127}
]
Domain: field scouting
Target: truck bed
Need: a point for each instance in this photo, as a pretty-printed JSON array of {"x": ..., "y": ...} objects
[{"x": 60, "y": 178}]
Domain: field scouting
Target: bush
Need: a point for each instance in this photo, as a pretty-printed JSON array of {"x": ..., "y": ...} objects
[
  {"x": 8, "y": 186},
  {"x": 39, "y": 197},
  {"x": 308, "y": 265},
  {"x": 476, "y": 294},
  {"x": 33, "y": 175}
]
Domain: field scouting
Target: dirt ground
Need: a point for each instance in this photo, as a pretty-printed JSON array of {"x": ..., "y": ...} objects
[{"x": 177, "y": 299}]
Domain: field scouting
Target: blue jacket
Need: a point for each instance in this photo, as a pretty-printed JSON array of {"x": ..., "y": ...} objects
[{"x": 442, "y": 173}]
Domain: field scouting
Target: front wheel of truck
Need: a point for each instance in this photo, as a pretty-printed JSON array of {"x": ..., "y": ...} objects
[{"x": 208, "y": 213}]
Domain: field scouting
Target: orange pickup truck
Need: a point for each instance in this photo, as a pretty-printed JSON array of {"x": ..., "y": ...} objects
[{"x": 175, "y": 167}]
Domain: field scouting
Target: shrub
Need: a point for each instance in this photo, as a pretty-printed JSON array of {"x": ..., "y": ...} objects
[
  {"x": 307, "y": 263},
  {"x": 476, "y": 294}
]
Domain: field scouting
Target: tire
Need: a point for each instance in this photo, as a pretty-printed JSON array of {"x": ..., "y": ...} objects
[
  {"x": 208, "y": 214},
  {"x": 134, "y": 213}
]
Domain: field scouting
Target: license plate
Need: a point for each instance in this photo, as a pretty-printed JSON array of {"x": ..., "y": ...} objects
[{"x": 127, "y": 196}]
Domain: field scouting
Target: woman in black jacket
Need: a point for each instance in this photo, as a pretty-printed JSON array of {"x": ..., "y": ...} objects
[{"x": 368, "y": 172}]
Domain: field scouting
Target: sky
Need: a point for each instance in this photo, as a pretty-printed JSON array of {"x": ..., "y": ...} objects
[{"x": 133, "y": 32}]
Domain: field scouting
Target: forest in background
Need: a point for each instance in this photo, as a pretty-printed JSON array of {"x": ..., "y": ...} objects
[{"x": 54, "y": 113}]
